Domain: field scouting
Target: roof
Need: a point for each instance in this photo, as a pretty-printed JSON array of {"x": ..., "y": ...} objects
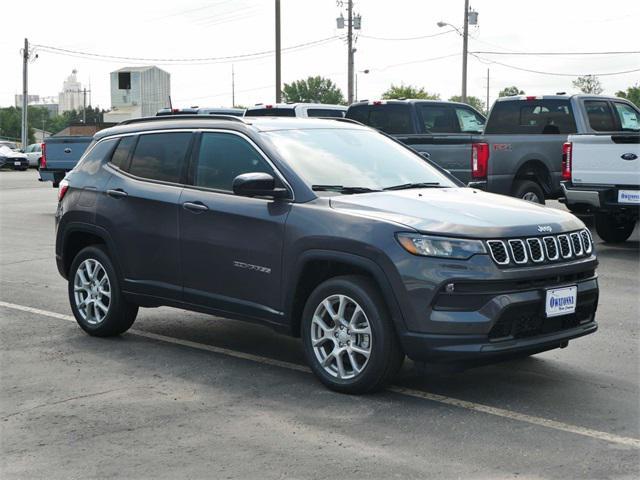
[
  {"x": 403, "y": 100},
  {"x": 256, "y": 124},
  {"x": 138, "y": 69},
  {"x": 557, "y": 96},
  {"x": 299, "y": 104}
]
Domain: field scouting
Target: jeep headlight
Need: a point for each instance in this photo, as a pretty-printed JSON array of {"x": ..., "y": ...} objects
[{"x": 443, "y": 247}]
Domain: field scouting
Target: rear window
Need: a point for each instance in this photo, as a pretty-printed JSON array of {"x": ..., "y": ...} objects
[
  {"x": 531, "y": 117},
  {"x": 390, "y": 118},
  {"x": 325, "y": 112},
  {"x": 160, "y": 156},
  {"x": 270, "y": 112}
]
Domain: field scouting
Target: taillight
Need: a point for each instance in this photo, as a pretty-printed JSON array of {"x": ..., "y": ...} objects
[
  {"x": 43, "y": 159},
  {"x": 62, "y": 189},
  {"x": 479, "y": 160},
  {"x": 567, "y": 149}
]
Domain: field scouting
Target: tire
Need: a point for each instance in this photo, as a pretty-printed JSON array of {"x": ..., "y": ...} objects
[
  {"x": 385, "y": 354},
  {"x": 613, "y": 230},
  {"x": 93, "y": 319},
  {"x": 528, "y": 190}
]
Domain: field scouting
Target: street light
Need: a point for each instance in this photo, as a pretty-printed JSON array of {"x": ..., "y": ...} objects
[{"x": 365, "y": 71}]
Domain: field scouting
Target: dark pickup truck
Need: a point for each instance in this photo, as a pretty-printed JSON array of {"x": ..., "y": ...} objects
[{"x": 518, "y": 152}]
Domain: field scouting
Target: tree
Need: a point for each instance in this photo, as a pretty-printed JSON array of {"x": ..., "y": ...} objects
[
  {"x": 313, "y": 90},
  {"x": 475, "y": 102},
  {"x": 408, "y": 91},
  {"x": 588, "y": 84},
  {"x": 510, "y": 91},
  {"x": 632, "y": 94}
]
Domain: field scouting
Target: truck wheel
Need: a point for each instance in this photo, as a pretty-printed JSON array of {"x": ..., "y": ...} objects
[
  {"x": 528, "y": 190},
  {"x": 613, "y": 230},
  {"x": 95, "y": 296},
  {"x": 348, "y": 336}
]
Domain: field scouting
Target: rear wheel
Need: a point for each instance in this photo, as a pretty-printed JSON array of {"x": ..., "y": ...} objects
[
  {"x": 612, "y": 229},
  {"x": 348, "y": 337},
  {"x": 94, "y": 293},
  {"x": 528, "y": 190}
]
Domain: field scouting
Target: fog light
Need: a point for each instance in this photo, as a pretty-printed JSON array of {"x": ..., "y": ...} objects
[{"x": 449, "y": 287}]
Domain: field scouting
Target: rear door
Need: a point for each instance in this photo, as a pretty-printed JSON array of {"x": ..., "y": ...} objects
[
  {"x": 140, "y": 210},
  {"x": 612, "y": 155},
  {"x": 231, "y": 246}
]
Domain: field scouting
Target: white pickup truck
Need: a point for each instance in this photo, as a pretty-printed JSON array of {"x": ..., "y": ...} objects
[{"x": 601, "y": 169}]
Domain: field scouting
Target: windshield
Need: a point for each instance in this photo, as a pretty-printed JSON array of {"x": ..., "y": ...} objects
[{"x": 352, "y": 158}]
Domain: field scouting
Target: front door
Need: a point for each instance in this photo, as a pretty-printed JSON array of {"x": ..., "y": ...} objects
[{"x": 231, "y": 246}]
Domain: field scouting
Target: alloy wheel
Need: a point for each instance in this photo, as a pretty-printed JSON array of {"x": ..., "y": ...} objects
[
  {"x": 341, "y": 337},
  {"x": 92, "y": 291}
]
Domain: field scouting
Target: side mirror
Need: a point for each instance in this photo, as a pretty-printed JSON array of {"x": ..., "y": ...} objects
[
  {"x": 426, "y": 155},
  {"x": 257, "y": 184}
]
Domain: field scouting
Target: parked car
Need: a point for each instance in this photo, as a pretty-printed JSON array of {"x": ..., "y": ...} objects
[
  {"x": 235, "y": 112},
  {"x": 34, "y": 154},
  {"x": 302, "y": 110},
  {"x": 60, "y": 155},
  {"x": 519, "y": 153},
  {"x": 602, "y": 169},
  {"x": 321, "y": 229},
  {"x": 10, "y": 158},
  {"x": 444, "y": 131}
]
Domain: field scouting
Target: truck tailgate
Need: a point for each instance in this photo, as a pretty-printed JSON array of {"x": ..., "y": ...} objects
[
  {"x": 605, "y": 159},
  {"x": 63, "y": 153}
]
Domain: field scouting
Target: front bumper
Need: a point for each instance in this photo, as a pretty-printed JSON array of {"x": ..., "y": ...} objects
[
  {"x": 595, "y": 199},
  {"x": 15, "y": 163}
]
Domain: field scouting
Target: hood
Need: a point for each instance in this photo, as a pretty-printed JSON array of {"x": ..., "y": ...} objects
[
  {"x": 464, "y": 212},
  {"x": 6, "y": 152}
]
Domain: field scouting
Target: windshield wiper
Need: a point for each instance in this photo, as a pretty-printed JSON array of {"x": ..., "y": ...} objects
[
  {"x": 342, "y": 189},
  {"x": 406, "y": 186}
]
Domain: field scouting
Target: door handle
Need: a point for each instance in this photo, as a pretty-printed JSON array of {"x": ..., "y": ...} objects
[
  {"x": 195, "y": 206},
  {"x": 118, "y": 193}
]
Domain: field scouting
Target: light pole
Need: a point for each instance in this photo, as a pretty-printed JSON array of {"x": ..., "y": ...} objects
[
  {"x": 365, "y": 71},
  {"x": 470, "y": 18}
]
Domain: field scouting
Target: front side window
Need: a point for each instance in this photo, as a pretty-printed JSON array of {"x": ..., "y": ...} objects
[
  {"x": 352, "y": 158},
  {"x": 224, "y": 156},
  {"x": 469, "y": 121},
  {"x": 628, "y": 116},
  {"x": 600, "y": 115},
  {"x": 160, "y": 156},
  {"x": 437, "y": 119}
]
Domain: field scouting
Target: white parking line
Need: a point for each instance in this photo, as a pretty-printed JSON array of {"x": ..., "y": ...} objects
[{"x": 455, "y": 402}]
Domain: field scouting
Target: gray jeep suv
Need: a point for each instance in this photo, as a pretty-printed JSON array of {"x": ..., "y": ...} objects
[{"x": 322, "y": 229}]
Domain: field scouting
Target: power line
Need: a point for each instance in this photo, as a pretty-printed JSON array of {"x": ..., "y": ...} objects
[
  {"x": 558, "y": 74},
  {"x": 182, "y": 61},
  {"x": 486, "y": 52},
  {"x": 406, "y": 38}
]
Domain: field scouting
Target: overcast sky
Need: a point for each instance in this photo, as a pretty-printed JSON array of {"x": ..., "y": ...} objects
[{"x": 218, "y": 28}]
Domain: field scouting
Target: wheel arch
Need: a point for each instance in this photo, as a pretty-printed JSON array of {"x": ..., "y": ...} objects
[
  {"x": 80, "y": 235},
  {"x": 316, "y": 266},
  {"x": 536, "y": 171}
]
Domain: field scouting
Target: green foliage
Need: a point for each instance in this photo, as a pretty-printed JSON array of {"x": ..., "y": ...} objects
[
  {"x": 510, "y": 91},
  {"x": 408, "y": 91},
  {"x": 632, "y": 94},
  {"x": 475, "y": 102},
  {"x": 313, "y": 90},
  {"x": 11, "y": 124},
  {"x": 588, "y": 84}
]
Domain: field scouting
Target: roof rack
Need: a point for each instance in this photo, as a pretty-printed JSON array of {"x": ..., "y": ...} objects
[{"x": 183, "y": 117}]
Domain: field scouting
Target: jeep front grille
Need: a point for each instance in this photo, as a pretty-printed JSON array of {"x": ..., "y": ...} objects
[{"x": 536, "y": 250}]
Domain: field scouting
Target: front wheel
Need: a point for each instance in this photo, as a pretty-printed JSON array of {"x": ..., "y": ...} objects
[
  {"x": 94, "y": 293},
  {"x": 612, "y": 229},
  {"x": 348, "y": 336}
]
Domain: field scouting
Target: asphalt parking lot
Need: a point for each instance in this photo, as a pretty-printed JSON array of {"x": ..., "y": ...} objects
[{"x": 185, "y": 395}]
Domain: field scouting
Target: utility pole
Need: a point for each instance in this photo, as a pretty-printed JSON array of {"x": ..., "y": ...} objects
[
  {"x": 465, "y": 41},
  {"x": 487, "y": 91},
  {"x": 350, "y": 53},
  {"x": 233, "y": 87},
  {"x": 84, "y": 105},
  {"x": 278, "y": 63},
  {"x": 25, "y": 94}
]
